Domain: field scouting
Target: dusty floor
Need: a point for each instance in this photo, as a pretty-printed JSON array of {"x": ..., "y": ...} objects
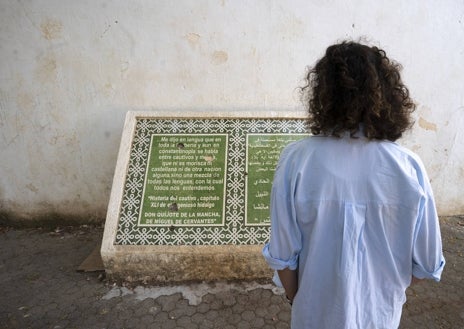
[{"x": 40, "y": 288}]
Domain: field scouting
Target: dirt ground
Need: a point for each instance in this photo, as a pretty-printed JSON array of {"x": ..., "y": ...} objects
[{"x": 40, "y": 288}]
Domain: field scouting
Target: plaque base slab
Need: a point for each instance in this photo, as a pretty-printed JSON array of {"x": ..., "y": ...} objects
[{"x": 163, "y": 264}]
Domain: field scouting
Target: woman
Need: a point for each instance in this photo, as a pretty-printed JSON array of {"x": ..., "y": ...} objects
[{"x": 353, "y": 217}]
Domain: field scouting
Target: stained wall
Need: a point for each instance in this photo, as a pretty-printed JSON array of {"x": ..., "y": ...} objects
[{"x": 70, "y": 70}]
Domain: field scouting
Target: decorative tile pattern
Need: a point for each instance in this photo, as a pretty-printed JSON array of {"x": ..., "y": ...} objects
[{"x": 234, "y": 231}]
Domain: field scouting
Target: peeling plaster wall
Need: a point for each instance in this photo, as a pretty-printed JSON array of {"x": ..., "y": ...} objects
[{"x": 71, "y": 69}]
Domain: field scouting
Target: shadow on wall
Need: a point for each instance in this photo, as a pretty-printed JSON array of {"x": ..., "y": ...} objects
[{"x": 49, "y": 220}]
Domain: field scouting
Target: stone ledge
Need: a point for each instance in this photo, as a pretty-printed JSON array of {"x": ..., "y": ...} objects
[{"x": 185, "y": 263}]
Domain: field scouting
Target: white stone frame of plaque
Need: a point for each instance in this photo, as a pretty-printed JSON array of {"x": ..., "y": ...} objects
[{"x": 174, "y": 263}]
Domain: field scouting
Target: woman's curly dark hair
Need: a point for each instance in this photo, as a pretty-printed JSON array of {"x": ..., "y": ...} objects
[{"x": 353, "y": 84}]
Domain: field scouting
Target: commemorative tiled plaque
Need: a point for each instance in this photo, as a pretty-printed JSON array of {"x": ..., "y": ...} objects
[{"x": 194, "y": 180}]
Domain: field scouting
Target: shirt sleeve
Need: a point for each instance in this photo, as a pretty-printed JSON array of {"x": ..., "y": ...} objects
[
  {"x": 428, "y": 260},
  {"x": 284, "y": 245}
]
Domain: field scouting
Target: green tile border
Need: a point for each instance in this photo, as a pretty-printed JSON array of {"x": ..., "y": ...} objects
[{"x": 234, "y": 231}]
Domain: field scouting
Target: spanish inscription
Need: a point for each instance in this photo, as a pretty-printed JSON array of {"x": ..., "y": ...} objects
[
  {"x": 263, "y": 152},
  {"x": 185, "y": 180}
]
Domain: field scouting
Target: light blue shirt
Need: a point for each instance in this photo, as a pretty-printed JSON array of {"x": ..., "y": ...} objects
[{"x": 358, "y": 219}]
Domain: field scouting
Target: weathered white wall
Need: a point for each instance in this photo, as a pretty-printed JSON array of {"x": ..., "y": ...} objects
[{"x": 70, "y": 70}]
